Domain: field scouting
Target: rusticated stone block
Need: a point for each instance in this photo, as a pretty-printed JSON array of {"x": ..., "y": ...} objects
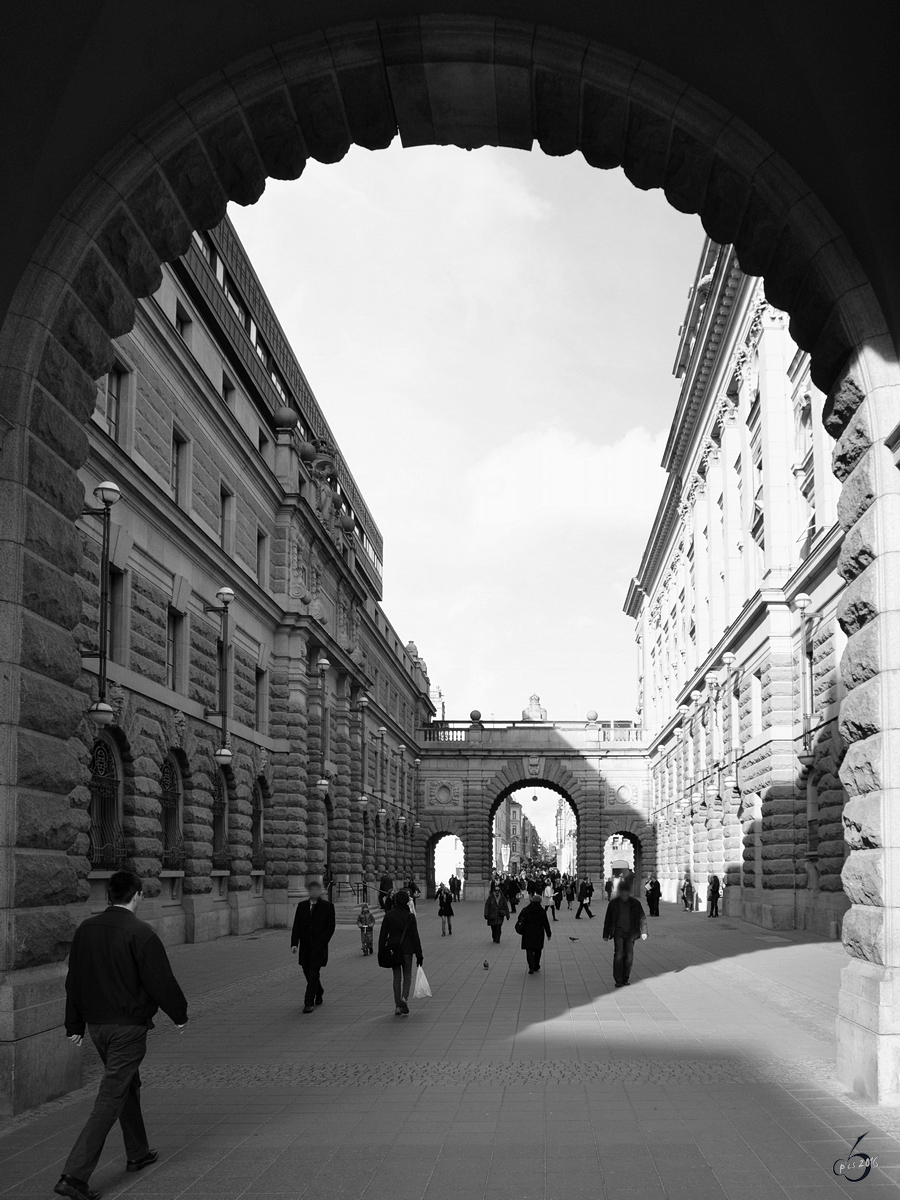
[
  {"x": 862, "y": 711},
  {"x": 862, "y": 822},
  {"x": 274, "y": 129},
  {"x": 858, "y": 493},
  {"x": 48, "y": 591},
  {"x": 130, "y": 254},
  {"x": 234, "y": 159},
  {"x": 852, "y": 444},
  {"x": 46, "y": 822},
  {"x": 65, "y": 378},
  {"x": 49, "y": 421},
  {"x": 53, "y": 480},
  {"x": 103, "y": 294},
  {"x": 859, "y": 602},
  {"x": 841, "y": 403},
  {"x": 48, "y": 764},
  {"x": 862, "y": 933},
  {"x": 872, "y": 649},
  {"x": 159, "y": 215},
  {"x": 861, "y": 769},
  {"x": 194, "y": 182},
  {"x": 46, "y": 879},
  {"x": 48, "y": 650},
  {"x": 49, "y": 707},
  {"x": 863, "y": 877},
  {"x": 80, "y": 333},
  {"x": 52, "y": 536},
  {"x": 41, "y": 936}
]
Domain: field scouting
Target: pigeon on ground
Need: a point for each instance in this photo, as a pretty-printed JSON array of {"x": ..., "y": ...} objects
[
  {"x": 486, "y": 965},
  {"x": 571, "y": 939}
]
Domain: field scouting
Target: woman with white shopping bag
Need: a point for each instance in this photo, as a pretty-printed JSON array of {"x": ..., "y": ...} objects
[{"x": 398, "y": 943}]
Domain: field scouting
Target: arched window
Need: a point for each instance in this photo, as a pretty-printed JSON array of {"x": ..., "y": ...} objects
[
  {"x": 170, "y": 799},
  {"x": 257, "y": 853},
  {"x": 107, "y": 842},
  {"x": 220, "y": 856}
]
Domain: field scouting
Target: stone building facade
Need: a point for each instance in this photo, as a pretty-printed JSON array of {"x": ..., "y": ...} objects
[
  {"x": 736, "y": 605},
  {"x": 229, "y": 475}
]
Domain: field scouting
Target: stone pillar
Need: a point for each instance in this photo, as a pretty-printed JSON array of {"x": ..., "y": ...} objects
[
  {"x": 868, "y": 1027},
  {"x": 316, "y": 814},
  {"x": 359, "y": 854},
  {"x": 339, "y": 791}
]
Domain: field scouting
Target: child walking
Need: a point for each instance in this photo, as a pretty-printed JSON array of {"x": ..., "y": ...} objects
[
  {"x": 366, "y": 923},
  {"x": 445, "y": 912}
]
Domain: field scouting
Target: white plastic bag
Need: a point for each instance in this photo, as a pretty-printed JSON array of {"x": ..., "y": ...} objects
[{"x": 422, "y": 990}]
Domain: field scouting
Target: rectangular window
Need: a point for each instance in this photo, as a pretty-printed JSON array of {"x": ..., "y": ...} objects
[
  {"x": 226, "y": 518},
  {"x": 116, "y": 624},
  {"x": 177, "y": 467},
  {"x": 110, "y": 394},
  {"x": 262, "y": 700},
  {"x": 202, "y": 244},
  {"x": 756, "y": 713},
  {"x": 262, "y": 558},
  {"x": 229, "y": 391},
  {"x": 174, "y": 625},
  {"x": 183, "y": 323}
]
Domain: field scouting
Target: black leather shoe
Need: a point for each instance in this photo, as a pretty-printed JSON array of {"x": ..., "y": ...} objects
[
  {"x": 319, "y": 999},
  {"x": 76, "y": 1189},
  {"x": 307, "y": 1008},
  {"x": 138, "y": 1164}
]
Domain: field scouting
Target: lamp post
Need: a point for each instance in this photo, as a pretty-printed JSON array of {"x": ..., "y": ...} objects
[
  {"x": 106, "y": 494},
  {"x": 802, "y": 602},
  {"x": 225, "y": 595},
  {"x": 417, "y": 824}
]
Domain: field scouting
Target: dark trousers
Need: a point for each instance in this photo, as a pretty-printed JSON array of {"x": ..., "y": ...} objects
[
  {"x": 121, "y": 1049},
  {"x": 496, "y": 930},
  {"x": 533, "y": 958},
  {"x": 714, "y": 905},
  {"x": 402, "y": 979},
  {"x": 623, "y": 956},
  {"x": 586, "y": 906},
  {"x": 312, "y": 965},
  {"x": 653, "y": 905}
]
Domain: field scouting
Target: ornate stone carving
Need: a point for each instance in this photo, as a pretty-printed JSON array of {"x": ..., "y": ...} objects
[
  {"x": 299, "y": 566},
  {"x": 534, "y": 712},
  {"x": 179, "y": 723},
  {"x": 444, "y": 796}
]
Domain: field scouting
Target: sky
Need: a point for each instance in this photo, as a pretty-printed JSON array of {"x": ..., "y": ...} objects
[{"x": 491, "y": 337}]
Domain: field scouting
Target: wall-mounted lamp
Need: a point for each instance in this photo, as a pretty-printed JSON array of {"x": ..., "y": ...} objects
[
  {"x": 802, "y": 602},
  {"x": 322, "y": 786},
  {"x": 225, "y": 595},
  {"x": 363, "y": 702},
  {"x": 363, "y": 802},
  {"x": 322, "y": 665},
  {"x": 106, "y": 494}
]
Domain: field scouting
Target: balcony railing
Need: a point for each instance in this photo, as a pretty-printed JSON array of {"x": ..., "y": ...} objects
[{"x": 458, "y": 731}]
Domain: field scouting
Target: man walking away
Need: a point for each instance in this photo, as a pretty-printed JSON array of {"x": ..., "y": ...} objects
[
  {"x": 534, "y": 928},
  {"x": 584, "y": 900},
  {"x": 607, "y": 887},
  {"x": 385, "y": 888},
  {"x": 312, "y": 931},
  {"x": 119, "y": 977},
  {"x": 624, "y": 923},
  {"x": 654, "y": 894}
]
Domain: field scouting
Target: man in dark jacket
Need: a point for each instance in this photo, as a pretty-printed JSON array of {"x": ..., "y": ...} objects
[
  {"x": 585, "y": 891},
  {"x": 385, "y": 888},
  {"x": 312, "y": 931},
  {"x": 534, "y": 928},
  {"x": 119, "y": 977},
  {"x": 624, "y": 923}
]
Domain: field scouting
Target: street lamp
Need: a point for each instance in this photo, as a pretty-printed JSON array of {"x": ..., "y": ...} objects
[
  {"x": 225, "y": 595},
  {"x": 106, "y": 494},
  {"x": 802, "y": 602}
]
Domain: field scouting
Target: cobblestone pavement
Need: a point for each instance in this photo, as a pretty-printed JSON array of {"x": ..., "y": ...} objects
[{"x": 711, "y": 1075}]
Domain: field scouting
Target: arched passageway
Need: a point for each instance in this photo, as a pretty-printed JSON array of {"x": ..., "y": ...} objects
[
  {"x": 466, "y": 82},
  {"x": 622, "y": 856},
  {"x": 525, "y": 834},
  {"x": 445, "y": 856}
]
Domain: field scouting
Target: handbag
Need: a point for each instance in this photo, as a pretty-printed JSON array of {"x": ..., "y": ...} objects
[
  {"x": 518, "y": 925},
  {"x": 422, "y": 989},
  {"x": 391, "y": 953}
]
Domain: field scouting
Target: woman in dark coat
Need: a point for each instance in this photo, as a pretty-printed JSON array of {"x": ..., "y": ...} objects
[
  {"x": 534, "y": 927},
  {"x": 399, "y": 925},
  {"x": 712, "y": 895},
  {"x": 496, "y": 911}
]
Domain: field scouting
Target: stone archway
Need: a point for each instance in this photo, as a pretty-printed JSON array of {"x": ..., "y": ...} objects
[
  {"x": 469, "y": 83},
  {"x": 556, "y": 778}
]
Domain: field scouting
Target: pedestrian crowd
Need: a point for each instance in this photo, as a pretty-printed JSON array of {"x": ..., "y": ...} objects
[{"x": 119, "y": 975}]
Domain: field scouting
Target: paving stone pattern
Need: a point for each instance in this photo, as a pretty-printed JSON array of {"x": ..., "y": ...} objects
[{"x": 711, "y": 1075}]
